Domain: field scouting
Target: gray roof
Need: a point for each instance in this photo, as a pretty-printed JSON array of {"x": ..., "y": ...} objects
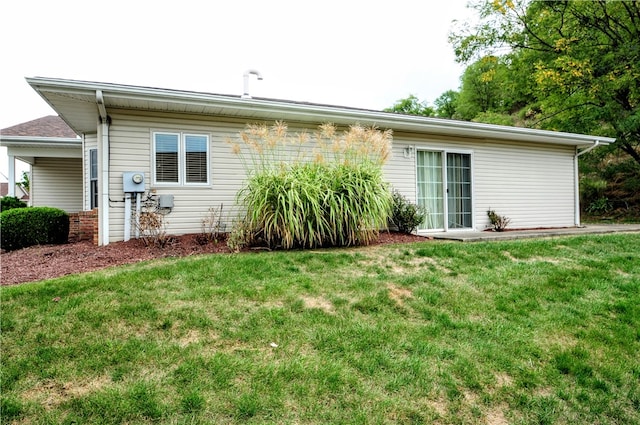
[{"x": 49, "y": 126}]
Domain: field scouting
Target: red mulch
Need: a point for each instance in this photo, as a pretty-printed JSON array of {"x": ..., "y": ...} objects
[{"x": 49, "y": 261}]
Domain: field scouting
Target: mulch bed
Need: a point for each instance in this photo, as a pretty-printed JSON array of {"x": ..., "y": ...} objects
[{"x": 49, "y": 261}]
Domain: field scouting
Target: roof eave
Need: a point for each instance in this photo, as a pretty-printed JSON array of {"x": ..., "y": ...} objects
[
  {"x": 303, "y": 112},
  {"x": 40, "y": 142}
]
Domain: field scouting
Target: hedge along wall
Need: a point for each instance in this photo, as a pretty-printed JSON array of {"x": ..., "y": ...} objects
[{"x": 23, "y": 227}]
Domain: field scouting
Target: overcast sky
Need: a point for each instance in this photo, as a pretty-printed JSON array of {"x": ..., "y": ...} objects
[{"x": 356, "y": 53}]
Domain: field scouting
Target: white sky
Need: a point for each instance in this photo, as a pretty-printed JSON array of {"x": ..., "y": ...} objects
[{"x": 350, "y": 53}]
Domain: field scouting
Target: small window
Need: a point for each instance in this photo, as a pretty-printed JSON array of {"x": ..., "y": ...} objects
[
  {"x": 181, "y": 158},
  {"x": 93, "y": 178},
  {"x": 196, "y": 159},
  {"x": 166, "y": 147}
]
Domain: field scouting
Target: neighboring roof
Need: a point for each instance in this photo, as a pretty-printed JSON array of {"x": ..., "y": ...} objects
[
  {"x": 77, "y": 103},
  {"x": 49, "y": 126},
  {"x": 4, "y": 191},
  {"x": 46, "y": 132}
]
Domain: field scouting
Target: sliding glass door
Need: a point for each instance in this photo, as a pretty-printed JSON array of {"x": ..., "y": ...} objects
[
  {"x": 430, "y": 188},
  {"x": 444, "y": 189},
  {"x": 459, "y": 191}
]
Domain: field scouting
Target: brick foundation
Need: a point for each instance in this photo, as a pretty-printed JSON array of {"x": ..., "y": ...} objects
[{"x": 83, "y": 226}]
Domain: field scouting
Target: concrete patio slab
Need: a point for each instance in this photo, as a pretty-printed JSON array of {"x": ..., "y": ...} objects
[{"x": 591, "y": 229}]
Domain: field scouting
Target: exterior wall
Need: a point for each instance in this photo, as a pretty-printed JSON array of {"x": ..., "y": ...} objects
[
  {"x": 533, "y": 184},
  {"x": 57, "y": 182},
  {"x": 130, "y": 141}
]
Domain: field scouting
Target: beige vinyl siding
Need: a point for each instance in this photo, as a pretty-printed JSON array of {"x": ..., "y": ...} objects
[
  {"x": 530, "y": 183},
  {"x": 533, "y": 184},
  {"x": 131, "y": 150},
  {"x": 400, "y": 171},
  {"x": 57, "y": 182}
]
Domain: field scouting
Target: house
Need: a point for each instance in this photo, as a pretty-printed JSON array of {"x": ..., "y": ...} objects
[
  {"x": 54, "y": 152},
  {"x": 170, "y": 146}
]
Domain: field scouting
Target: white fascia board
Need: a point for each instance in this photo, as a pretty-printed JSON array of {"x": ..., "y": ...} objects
[
  {"x": 41, "y": 142},
  {"x": 304, "y": 112}
]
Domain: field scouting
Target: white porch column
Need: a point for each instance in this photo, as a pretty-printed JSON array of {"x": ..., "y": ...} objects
[
  {"x": 12, "y": 176},
  {"x": 103, "y": 172}
]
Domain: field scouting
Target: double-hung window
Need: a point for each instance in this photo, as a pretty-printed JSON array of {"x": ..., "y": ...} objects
[{"x": 181, "y": 158}]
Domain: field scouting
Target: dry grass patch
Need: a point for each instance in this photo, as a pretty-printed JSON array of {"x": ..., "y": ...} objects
[
  {"x": 51, "y": 394},
  {"x": 439, "y": 406},
  {"x": 534, "y": 259},
  {"x": 319, "y": 303},
  {"x": 495, "y": 416},
  {"x": 194, "y": 336},
  {"x": 503, "y": 380},
  {"x": 398, "y": 294}
]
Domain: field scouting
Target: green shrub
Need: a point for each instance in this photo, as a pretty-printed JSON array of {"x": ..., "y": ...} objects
[
  {"x": 498, "y": 222},
  {"x": 23, "y": 227},
  {"x": 337, "y": 198},
  {"x": 599, "y": 206},
  {"x": 489, "y": 117},
  {"x": 591, "y": 189},
  {"x": 10, "y": 202},
  {"x": 405, "y": 215}
]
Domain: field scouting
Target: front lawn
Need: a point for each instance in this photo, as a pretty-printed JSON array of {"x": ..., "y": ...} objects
[{"x": 538, "y": 331}]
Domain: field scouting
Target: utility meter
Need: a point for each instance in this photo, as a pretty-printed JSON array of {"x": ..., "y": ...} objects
[{"x": 133, "y": 182}]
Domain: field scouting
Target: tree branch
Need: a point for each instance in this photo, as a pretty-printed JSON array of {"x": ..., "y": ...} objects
[{"x": 564, "y": 110}]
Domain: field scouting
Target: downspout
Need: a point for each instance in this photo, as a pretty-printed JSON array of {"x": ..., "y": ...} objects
[
  {"x": 577, "y": 182},
  {"x": 103, "y": 152}
]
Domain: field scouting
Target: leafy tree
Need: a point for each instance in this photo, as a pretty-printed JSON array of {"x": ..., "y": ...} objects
[
  {"x": 446, "y": 104},
  {"x": 412, "y": 106},
  {"x": 581, "y": 61},
  {"x": 482, "y": 88},
  {"x": 494, "y": 118},
  {"x": 26, "y": 182}
]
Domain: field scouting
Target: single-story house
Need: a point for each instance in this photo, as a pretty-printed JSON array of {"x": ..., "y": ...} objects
[
  {"x": 54, "y": 152},
  {"x": 159, "y": 142}
]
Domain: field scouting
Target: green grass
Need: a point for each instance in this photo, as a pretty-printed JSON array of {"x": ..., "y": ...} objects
[{"x": 539, "y": 331}]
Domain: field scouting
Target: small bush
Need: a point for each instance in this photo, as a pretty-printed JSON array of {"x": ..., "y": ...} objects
[
  {"x": 599, "y": 206},
  {"x": 498, "y": 222},
  {"x": 9, "y": 202},
  {"x": 592, "y": 189},
  {"x": 240, "y": 236},
  {"x": 23, "y": 227},
  {"x": 212, "y": 227},
  {"x": 405, "y": 215},
  {"x": 153, "y": 229}
]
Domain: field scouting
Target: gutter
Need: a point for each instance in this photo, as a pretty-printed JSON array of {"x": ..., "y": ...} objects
[
  {"x": 103, "y": 172},
  {"x": 576, "y": 181}
]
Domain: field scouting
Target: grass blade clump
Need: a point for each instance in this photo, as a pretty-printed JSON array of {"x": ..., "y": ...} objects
[{"x": 303, "y": 196}]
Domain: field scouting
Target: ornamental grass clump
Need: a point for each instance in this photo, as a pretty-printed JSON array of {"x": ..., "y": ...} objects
[{"x": 307, "y": 191}]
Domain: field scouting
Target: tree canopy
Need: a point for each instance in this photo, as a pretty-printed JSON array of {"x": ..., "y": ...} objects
[
  {"x": 412, "y": 106},
  {"x": 572, "y": 65}
]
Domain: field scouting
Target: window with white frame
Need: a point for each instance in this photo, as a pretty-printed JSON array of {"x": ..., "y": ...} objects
[
  {"x": 93, "y": 178},
  {"x": 181, "y": 158}
]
